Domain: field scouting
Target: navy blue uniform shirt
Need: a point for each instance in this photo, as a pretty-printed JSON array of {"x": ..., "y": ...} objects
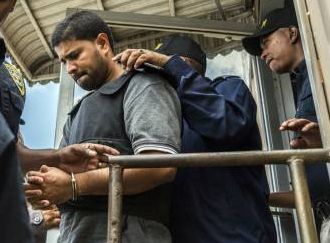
[
  {"x": 218, "y": 204},
  {"x": 12, "y": 95},
  {"x": 15, "y": 226},
  {"x": 317, "y": 174}
]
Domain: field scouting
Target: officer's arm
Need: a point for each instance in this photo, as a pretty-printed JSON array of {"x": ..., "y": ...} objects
[
  {"x": 32, "y": 159},
  {"x": 222, "y": 112},
  {"x": 72, "y": 158}
]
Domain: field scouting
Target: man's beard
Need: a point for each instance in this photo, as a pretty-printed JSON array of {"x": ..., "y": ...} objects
[{"x": 88, "y": 84}]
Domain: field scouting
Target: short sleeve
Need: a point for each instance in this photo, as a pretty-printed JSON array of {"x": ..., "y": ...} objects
[{"x": 152, "y": 114}]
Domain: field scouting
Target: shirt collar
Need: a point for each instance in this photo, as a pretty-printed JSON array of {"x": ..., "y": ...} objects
[
  {"x": 113, "y": 86},
  {"x": 107, "y": 89},
  {"x": 301, "y": 67}
]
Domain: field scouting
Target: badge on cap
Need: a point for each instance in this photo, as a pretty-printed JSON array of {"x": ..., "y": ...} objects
[
  {"x": 264, "y": 23},
  {"x": 17, "y": 77},
  {"x": 158, "y": 46}
]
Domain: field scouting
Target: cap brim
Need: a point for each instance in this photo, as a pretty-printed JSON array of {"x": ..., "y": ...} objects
[{"x": 252, "y": 43}]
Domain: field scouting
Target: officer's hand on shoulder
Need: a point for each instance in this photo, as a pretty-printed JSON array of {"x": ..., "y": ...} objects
[{"x": 134, "y": 58}]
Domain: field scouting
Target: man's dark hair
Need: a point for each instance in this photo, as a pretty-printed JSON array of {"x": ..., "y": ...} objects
[{"x": 82, "y": 25}]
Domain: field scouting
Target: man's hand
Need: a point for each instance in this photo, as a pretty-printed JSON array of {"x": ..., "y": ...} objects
[
  {"x": 48, "y": 186},
  {"x": 86, "y": 156},
  {"x": 135, "y": 58},
  {"x": 309, "y": 132},
  {"x": 52, "y": 217}
]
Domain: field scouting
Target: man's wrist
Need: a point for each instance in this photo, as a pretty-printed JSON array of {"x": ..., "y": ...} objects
[
  {"x": 177, "y": 68},
  {"x": 79, "y": 184},
  {"x": 163, "y": 60},
  {"x": 57, "y": 158},
  {"x": 94, "y": 182}
]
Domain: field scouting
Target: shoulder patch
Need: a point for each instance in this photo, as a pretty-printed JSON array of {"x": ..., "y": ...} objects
[{"x": 17, "y": 77}]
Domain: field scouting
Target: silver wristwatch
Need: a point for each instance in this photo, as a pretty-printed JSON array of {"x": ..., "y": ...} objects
[{"x": 36, "y": 217}]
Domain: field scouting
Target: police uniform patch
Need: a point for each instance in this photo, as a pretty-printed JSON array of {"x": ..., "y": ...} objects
[{"x": 17, "y": 77}]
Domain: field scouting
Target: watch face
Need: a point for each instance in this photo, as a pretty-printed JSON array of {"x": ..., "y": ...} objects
[{"x": 36, "y": 218}]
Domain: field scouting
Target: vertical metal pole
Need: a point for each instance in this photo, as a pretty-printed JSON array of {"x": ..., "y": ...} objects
[
  {"x": 115, "y": 204},
  {"x": 302, "y": 201},
  {"x": 65, "y": 103}
]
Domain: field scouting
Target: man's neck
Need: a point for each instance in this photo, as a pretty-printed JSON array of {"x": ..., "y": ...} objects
[
  {"x": 299, "y": 56},
  {"x": 116, "y": 72}
]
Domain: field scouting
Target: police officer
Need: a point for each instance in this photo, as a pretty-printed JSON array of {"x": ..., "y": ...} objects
[
  {"x": 218, "y": 115},
  {"x": 279, "y": 44},
  {"x": 15, "y": 225}
]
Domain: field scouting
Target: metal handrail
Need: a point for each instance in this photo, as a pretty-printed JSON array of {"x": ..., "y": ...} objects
[
  {"x": 296, "y": 160},
  {"x": 220, "y": 158}
]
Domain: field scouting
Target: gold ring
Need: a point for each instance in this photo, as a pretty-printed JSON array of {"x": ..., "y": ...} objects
[{"x": 100, "y": 165}]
